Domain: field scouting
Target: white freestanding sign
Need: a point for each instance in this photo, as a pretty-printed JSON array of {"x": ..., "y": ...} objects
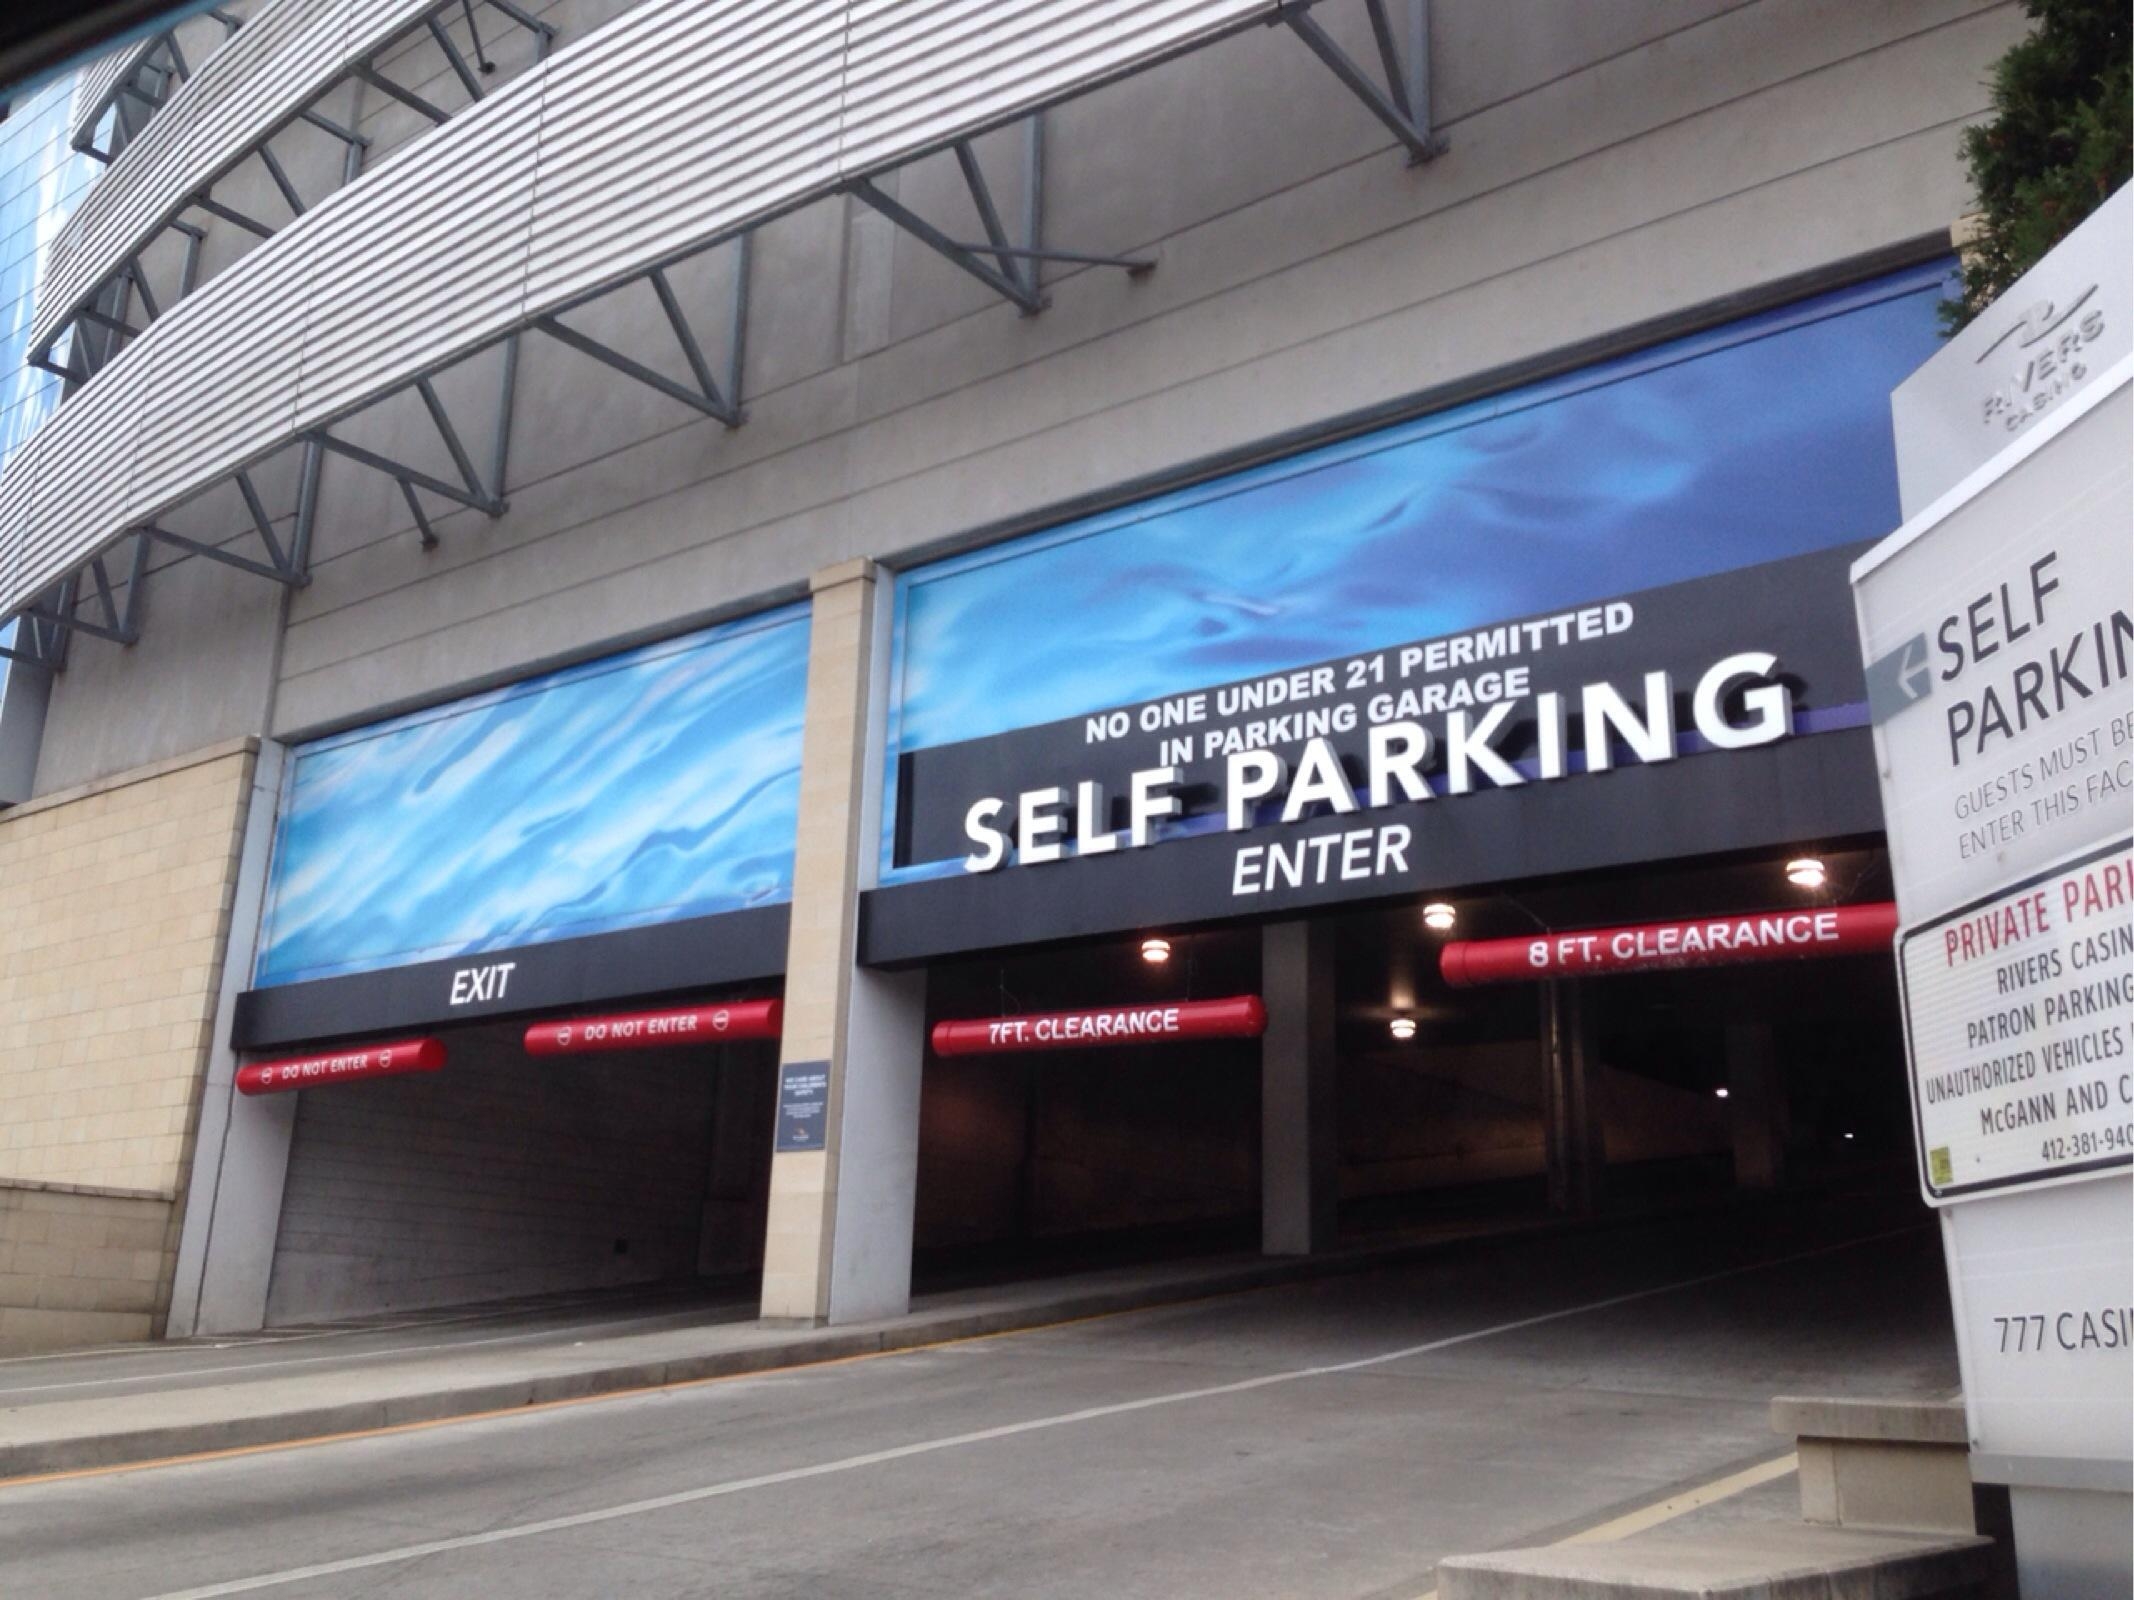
[
  {"x": 2070, "y": 318},
  {"x": 1998, "y": 629}
]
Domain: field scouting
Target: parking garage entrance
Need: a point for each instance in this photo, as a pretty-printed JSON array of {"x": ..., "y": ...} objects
[
  {"x": 1573, "y": 660},
  {"x": 1441, "y": 1107}
]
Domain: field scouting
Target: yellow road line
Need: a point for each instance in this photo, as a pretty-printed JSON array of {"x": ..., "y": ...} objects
[
  {"x": 1677, "y": 1505},
  {"x": 1688, "y": 1500}
]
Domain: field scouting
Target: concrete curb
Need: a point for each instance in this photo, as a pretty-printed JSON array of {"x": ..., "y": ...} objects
[{"x": 806, "y": 1347}]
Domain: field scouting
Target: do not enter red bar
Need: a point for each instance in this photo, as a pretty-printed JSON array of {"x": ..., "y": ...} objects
[
  {"x": 1665, "y": 946},
  {"x": 1240, "y": 1017},
  {"x": 657, "y": 1030},
  {"x": 342, "y": 1066}
]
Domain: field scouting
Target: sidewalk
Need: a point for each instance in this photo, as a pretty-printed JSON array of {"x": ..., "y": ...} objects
[{"x": 154, "y": 1404}]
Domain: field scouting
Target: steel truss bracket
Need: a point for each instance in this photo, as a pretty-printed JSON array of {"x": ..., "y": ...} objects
[
  {"x": 1402, "y": 103},
  {"x": 1010, "y": 269},
  {"x": 59, "y": 612},
  {"x": 713, "y": 394},
  {"x": 38, "y": 642},
  {"x": 35, "y": 644},
  {"x": 138, "y": 96},
  {"x": 433, "y": 22},
  {"x": 472, "y": 490},
  {"x": 284, "y": 564},
  {"x": 45, "y": 626}
]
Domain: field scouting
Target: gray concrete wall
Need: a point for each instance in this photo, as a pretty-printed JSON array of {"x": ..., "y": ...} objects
[
  {"x": 1442, "y": 1115},
  {"x": 1086, "y": 1141},
  {"x": 501, "y": 1175},
  {"x": 1607, "y": 165},
  {"x": 1454, "y": 1114},
  {"x": 1305, "y": 271}
]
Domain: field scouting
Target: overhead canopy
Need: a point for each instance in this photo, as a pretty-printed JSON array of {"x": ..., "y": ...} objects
[
  {"x": 212, "y": 122},
  {"x": 673, "y": 129}
]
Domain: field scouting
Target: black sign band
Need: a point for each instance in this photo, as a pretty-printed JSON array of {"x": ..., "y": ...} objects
[{"x": 667, "y": 958}]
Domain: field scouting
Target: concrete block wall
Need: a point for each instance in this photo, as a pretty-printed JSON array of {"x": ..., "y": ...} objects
[
  {"x": 118, "y": 902},
  {"x": 118, "y": 897},
  {"x": 81, "y": 1266},
  {"x": 502, "y": 1175}
]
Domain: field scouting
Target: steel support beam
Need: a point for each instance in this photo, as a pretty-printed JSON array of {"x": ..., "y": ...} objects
[
  {"x": 229, "y": 558},
  {"x": 215, "y": 208},
  {"x": 280, "y": 174},
  {"x": 710, "y": 393},
  {"x": 962, "y": 255},
  {"x": 406, "y": 474},
  {"x": 327, "y": 124},
  {"x": 407, "y": 97},
  {"x": 1007, "y": 267},
  {"x": 1402, "y": 101},
  {"x": 120, "y": 626},
  {"x": 545, "y": 33},
  {"x": 114, "y": 325},
  {"x": 139, "y": 279},
  {"x": 189, "y": 272},
  {"x": 506, "y": 404},
  {"x": 458, "y": 62},
  {"x": 471, "y": 491},
  {"x": 307, "y": 509},
  {"x": 290, "y": 565},
  {"x": 422, "y": 518}
]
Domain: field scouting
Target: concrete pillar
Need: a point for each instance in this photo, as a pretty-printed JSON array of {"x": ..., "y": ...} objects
[
  {"x": 233, "y": 1193},
  {"x": 1756, "y": 1105},
  {"x": 1300, "y": 1152},
  {"x": 24, "y": 693},
  {"x": 1571, "y": 1114},
  {"x": 837, "y": 1244}
]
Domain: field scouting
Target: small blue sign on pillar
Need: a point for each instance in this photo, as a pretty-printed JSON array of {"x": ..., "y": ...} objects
[{"x": 803, "y": 1106}]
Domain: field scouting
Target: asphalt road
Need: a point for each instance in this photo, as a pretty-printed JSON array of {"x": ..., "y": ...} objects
[{"x": 1333, "y": 1438}]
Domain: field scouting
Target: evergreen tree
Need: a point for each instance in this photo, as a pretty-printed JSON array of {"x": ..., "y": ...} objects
[{"x": 2061, "y": 140}]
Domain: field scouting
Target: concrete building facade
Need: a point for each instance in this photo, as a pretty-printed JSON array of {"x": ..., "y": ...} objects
[{"x": 729, "y": 471}]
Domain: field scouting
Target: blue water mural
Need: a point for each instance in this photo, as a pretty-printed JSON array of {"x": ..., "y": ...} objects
[
  {"x": 648, "y": 786},
  {"x": 1766, "y": 438}
]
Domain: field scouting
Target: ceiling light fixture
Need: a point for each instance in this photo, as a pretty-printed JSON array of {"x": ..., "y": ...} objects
[
  {"x": 1721, "y": 1093},
  {"x": 1439, "y": 915},
  {"x": 1155, "y": 951},
  {"x": 1807, "y": 872},
  {"x": 1403, "y": 1027}
]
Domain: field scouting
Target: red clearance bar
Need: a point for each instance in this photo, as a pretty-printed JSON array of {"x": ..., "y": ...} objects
[
  {"x": 656, "y": 1030},
  {"x": 372, "y": 1061},
  {"x": 1664, "y": 946},
  {"x": 1240, "y": 1017}
]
